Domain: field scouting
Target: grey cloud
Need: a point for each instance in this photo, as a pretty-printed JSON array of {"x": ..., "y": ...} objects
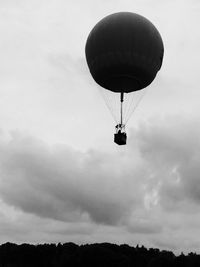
[
  {"x": 73, "y": 229},
  {"x": 160, "y": 166},
  {"x": 171, "y": 148},
  {"x": 168, "y": 141},
  {"x": 64, "y": 184},
  {"x": 177, "y": 244},
  {"x": 145, "y": 227},
  {"x": 166, "y": 244}
]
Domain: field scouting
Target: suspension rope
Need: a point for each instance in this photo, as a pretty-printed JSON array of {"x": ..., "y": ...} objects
[{"x": 121, "y": 111}]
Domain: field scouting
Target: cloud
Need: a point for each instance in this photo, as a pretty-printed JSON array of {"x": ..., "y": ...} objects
[
  {"x": 171, "y": 148},
  {"x": 64, "y": 184},
  {"x": 145, "y": 227},
  {"x": 147, "y": 189},
  {"x": 159, "y": 168}
]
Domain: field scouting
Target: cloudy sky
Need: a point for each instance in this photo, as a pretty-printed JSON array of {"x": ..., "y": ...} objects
[{"x": 61, "y": 176}]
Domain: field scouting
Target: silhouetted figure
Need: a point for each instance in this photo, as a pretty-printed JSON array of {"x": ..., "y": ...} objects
[{"x": 120, "y": 135}]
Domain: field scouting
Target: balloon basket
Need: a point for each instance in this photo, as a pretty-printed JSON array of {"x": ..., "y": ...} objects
[{"x": 120, "y": 138}]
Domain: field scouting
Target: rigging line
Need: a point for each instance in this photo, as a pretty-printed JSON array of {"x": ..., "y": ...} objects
[
  {"x": 114, "y": 99},
  {"x": 130, "y": 104},
  {"x": 132, "y": 101},
  {"x": 121, "y": 107},
  {"x": 140, "y": 99},
  {"x": 116, "y": 105},
  {"x": 112, "y": 108},
  {"x": 136, "y": 101},
  {"x": 112, "y": 104},
  {"x": 126, "y": 105},
  {"x": 126, "y": 98},
  {"x": 106, "y": 98}
]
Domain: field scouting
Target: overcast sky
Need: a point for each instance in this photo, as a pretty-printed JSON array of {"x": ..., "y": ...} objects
[{"x": 62, "y": 178}]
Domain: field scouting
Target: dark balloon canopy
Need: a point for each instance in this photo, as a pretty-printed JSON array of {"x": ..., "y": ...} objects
[{"x": 124, "y": 52}]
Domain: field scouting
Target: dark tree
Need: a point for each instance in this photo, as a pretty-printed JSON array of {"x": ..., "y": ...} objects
[{"x": 90, "y": 255}]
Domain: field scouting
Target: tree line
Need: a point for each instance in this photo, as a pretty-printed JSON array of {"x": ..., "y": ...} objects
[{"x": 91, "y": 255}]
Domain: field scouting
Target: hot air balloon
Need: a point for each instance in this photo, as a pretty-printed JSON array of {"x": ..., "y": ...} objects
[{"x": 124, "y": 51}]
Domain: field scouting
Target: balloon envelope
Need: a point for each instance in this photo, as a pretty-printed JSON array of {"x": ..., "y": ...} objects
[{"x": 124, "y": 52}]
